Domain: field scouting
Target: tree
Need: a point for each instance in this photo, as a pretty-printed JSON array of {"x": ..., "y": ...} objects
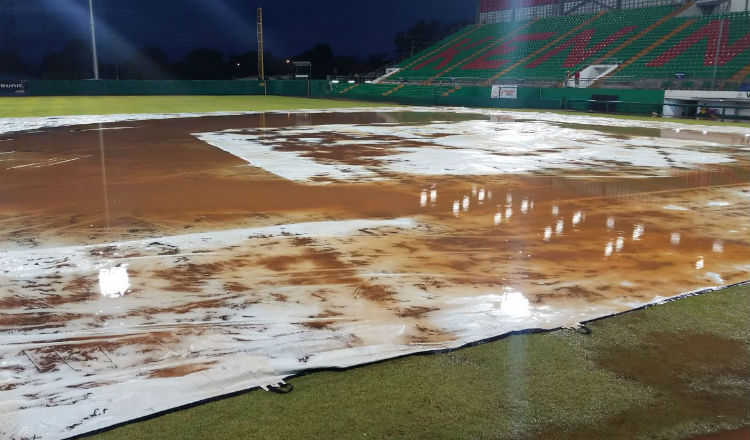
[
  {"x": 74, "y": 62},
  {"x": 11, "y": 64},
  {"x": 375, "y": 61},
  {"x": 244, "y": 65},
  {"x": 321, "y": 57},
  {"x": 410, "y": 41},
  {"x": 205, "y": 64},
  {"x": 148, "y": 62}
]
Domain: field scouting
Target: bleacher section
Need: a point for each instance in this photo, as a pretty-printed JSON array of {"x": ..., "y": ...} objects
[
  {"x": 716, "y": 44},
  {"x": 647, "y": 43}
]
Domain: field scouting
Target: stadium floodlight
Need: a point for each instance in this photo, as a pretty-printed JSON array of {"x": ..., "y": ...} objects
[{"x": 94, "y": 59}]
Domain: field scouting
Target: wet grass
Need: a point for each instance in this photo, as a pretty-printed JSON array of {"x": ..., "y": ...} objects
[
  {"x": 668, "y": 372},
  {"x": 15, "y": 107}
]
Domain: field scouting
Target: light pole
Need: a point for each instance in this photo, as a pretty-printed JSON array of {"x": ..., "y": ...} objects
[
  {"x": 716, "y": 55},
  {"x": 94, "y": 58}
]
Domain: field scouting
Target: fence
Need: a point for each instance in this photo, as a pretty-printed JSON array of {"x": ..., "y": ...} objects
[{"x": 605, "y": 100}]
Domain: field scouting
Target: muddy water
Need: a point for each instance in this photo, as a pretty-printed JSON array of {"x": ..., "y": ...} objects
[{"x": 219, "y": 253}]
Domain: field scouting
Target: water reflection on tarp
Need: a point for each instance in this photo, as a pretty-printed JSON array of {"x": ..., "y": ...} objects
[
  {"x": 114, "y": 281},
  {"x": 221, "y": 275}
]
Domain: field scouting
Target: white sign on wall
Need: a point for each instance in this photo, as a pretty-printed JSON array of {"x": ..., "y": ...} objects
[
  {"x": 495, "y": 93},
  {"x": 505, "y": 92}
]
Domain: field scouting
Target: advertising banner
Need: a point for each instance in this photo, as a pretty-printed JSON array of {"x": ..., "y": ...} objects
[
  {"x": 12, "y": 87},
  {"x": 509, "y": 92},
  {"x": 495, "y": 93}
]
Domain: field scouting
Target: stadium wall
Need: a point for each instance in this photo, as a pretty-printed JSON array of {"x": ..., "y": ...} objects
[
  {"x": 600, "y": 100},
  {"x": 141, "y": 87},
  {"x": 314, "y": 88},
  {"x": 585, "y": 99}
]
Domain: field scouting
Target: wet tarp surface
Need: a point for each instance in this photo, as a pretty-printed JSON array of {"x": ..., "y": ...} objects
[{"x": 151, "y": 261}]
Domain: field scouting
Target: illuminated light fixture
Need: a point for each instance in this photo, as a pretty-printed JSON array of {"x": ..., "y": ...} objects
[
  {"x": 335, "y": 81},
  {"x": 351, "y": 81}
]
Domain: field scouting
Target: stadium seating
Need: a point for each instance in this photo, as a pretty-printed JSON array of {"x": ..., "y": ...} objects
[
  {"x": 693, "y": 50},
  {"x": 648, "y": 43}
]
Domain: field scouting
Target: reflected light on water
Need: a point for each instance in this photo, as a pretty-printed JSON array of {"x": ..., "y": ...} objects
[
  {"x": 699, "y": 264},
  {"x": 577, "y": 218},
  {"x": 524, "y": 206},
  {"x": 114, "y": 281},
  {"x": 610, "y": 222},
  {"x": 638, "y": 232},
  {"x": 718, "y": 246},
  {"x": 619, "y": 243},
  {"x": 547, "y": 233},
  {"x": 456, "y": 207},
  {"x": 513, "y": 303},
  {"x": 674, "y": 238},
  {"x": 555, "y": 210},
  {"x": 608, "y": 248},
  {"x": 433, "y": 196},
  {"x": 465, "y": 203},
  {"x": 497, "y": 218},
  {"x": 423, "y": 198},
  {"x": 559, "y": 227}
]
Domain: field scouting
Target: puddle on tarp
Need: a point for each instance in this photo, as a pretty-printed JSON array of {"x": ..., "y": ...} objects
[{"x": 182, "y": 259}]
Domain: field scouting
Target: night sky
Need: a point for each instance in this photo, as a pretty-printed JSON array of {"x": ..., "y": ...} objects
[{"x": 177, "y": 26}]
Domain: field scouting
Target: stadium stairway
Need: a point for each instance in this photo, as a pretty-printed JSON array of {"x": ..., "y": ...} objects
[
  {"x": 394, "y": 90},
  {"x": 646, "y": 50},
  {"x": 442, "y": 45},
  {"x": 483, "y": 50},
  {"x": 740, "y": 76},
  {"x": 608, "y": 55},
  {"x": 648, "y": 45},
  {"x": 345, "y": 90},
  {"x": 708, "y": 49},
  {"x": 543, "y": 48}
]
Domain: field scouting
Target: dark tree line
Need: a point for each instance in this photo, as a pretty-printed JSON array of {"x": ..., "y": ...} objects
[{"x": 74, "y": 61}]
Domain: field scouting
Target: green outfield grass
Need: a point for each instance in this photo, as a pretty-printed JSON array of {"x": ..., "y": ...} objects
[
  {"x": 666, "y": 372},
  {"x": 15, "y": 107}
]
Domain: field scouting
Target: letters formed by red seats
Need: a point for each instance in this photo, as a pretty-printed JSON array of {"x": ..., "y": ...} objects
[
  {"x": 490, "y": 61},
  {"x": 710, "y": 32},
  {"x": 579, "y": 47},
  {"x": 446, "y": 56}
]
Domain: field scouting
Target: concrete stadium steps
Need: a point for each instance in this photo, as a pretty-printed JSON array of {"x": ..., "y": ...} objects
[
  {"x": 507, "y": 35},
  {"x": 662, "y": 34},
  {"x": 692, "y": 50},
  {"x": 642, "y": 38},
  {"x": 548, "y": 48},
  {"x": 409, "y": 63},
  {"x": 367, "y": 90},
  {"x": 543, "y": 49},
  {"x": 589, "y": 43},
  {"x": 446, "y": 56}
]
